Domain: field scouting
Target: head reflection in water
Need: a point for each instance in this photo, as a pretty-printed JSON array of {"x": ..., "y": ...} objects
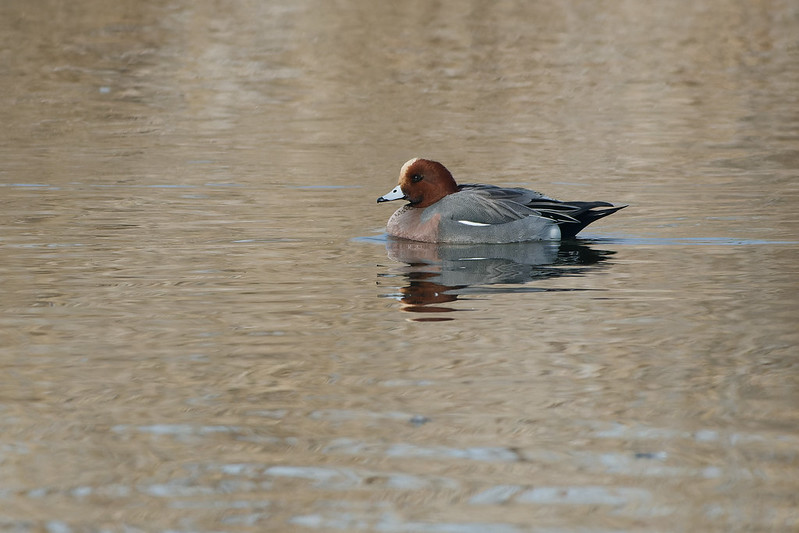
[
  {"x": 438, "y": 274},
  {"x": 424, "y": 296}
]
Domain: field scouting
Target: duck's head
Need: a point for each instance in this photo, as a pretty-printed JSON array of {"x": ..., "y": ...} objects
[{"x": 422, "y": 182}]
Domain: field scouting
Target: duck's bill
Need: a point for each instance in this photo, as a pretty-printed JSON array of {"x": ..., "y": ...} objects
[{"x": 395, "y": 194}]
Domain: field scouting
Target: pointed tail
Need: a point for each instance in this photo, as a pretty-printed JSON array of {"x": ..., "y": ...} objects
[{"x": 584, "y": 214}]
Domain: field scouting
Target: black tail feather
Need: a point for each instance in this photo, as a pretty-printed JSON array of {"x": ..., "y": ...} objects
[{"x": 585, "y": 213}]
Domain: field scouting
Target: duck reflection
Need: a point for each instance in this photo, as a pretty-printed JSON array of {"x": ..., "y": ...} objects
[{"x": 437, "y": 274}]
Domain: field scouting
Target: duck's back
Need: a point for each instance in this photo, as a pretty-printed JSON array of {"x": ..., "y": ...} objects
[{"x": 488, "y": 204}]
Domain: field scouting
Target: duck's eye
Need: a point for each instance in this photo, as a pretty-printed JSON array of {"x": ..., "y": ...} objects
[{"x": 416, "y": 178}]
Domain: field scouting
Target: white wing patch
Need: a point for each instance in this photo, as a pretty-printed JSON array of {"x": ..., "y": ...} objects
[{"x": 471, "y": 223}]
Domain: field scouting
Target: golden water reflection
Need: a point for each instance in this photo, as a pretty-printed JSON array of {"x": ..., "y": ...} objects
[{"x": 197, "y": 333}]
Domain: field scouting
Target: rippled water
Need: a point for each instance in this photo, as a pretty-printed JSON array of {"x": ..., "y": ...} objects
[{"x": 204, "y": 328}]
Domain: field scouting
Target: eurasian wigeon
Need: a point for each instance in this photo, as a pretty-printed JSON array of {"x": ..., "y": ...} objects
[{"x": 440, "y": 210}]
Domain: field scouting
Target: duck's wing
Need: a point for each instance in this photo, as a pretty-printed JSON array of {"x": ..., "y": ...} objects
[
  {"x": 495, "y": 204},
  {"x": 490, "y": 204},
  {"x": 481, "y": 205}
]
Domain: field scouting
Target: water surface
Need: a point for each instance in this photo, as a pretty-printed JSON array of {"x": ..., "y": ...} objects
[{"x": 204, "y": 328}]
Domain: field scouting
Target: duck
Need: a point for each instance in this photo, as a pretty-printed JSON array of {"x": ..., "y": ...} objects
[{"x": 441, "y": 211}]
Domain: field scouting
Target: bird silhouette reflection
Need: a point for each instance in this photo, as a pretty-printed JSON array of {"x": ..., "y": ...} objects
[{"x": 434, "y": 275}]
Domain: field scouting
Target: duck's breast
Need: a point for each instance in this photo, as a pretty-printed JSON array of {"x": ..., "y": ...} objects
[{"x": 415, "y": 224}]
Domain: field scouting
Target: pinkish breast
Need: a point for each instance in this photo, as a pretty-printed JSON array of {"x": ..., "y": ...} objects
[{"x": 407, "y": 223}]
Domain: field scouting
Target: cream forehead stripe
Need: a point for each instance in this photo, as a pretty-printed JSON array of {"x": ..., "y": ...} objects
[{"x": 407, "y": 164}]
